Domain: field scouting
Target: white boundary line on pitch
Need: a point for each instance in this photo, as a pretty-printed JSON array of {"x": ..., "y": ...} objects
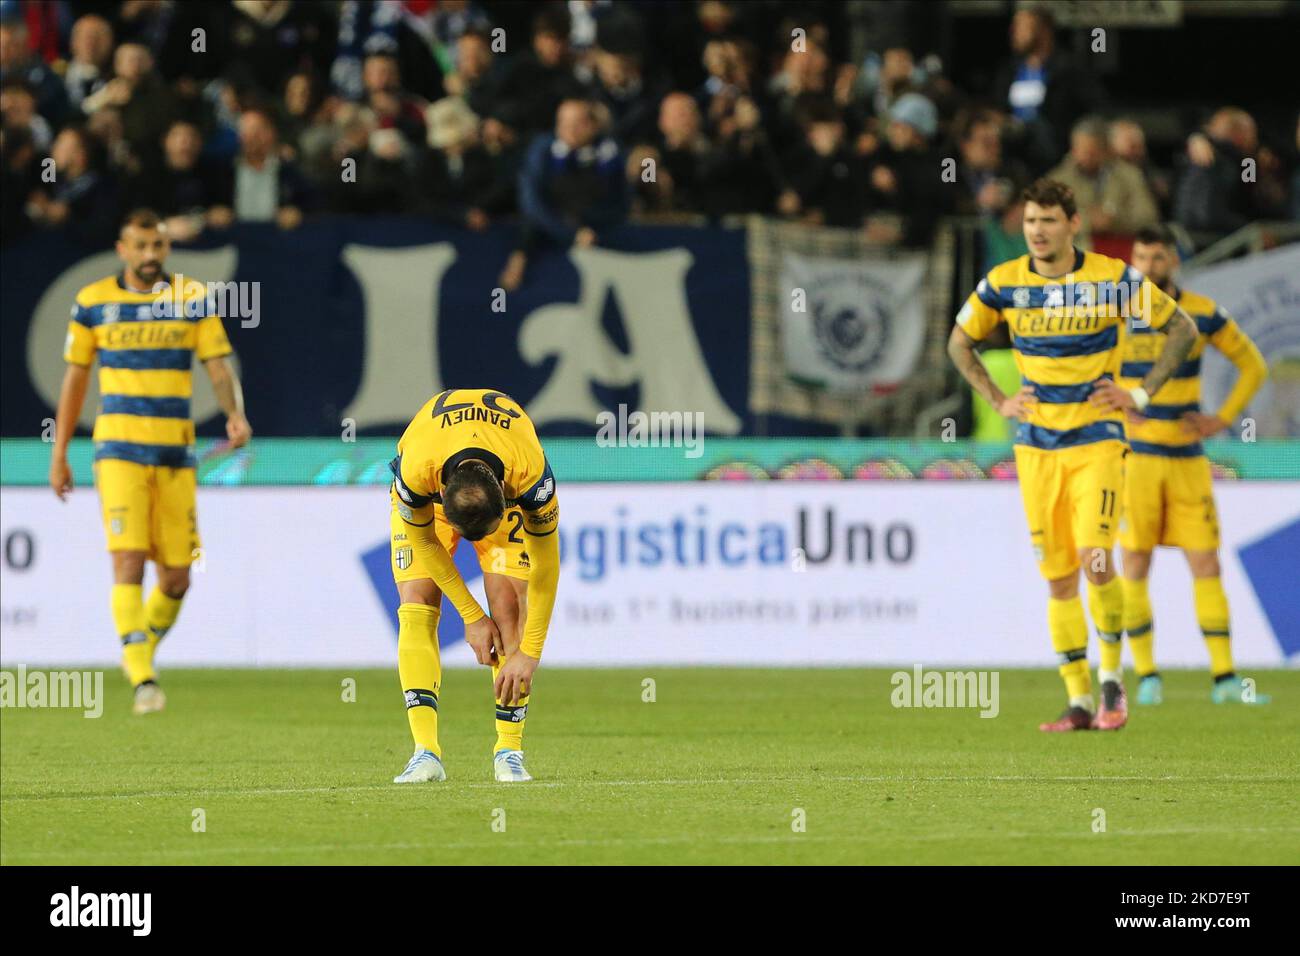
[
  {"x": 792, "y": 839},
  {"x": 725, "y": 781}
]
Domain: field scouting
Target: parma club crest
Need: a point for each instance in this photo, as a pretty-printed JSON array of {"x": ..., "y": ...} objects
[{"x": 402, "y": 557}]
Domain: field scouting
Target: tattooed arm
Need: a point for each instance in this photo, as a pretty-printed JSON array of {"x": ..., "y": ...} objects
[{"x": 1181, "y": 335}]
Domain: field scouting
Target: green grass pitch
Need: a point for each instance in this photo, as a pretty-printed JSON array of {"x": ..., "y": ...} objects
[{"x": 713, "y": 771}]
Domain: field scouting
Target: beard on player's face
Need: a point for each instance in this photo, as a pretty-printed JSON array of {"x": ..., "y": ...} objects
[{"x": 150, "y": 270}]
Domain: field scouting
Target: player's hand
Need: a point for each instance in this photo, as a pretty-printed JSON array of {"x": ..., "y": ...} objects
[
  {"x": 484, "y": 636},
  {"x": 1134, "y": 418},
  {"x": 1202, "y": 425},
  {"x": 586, "y": 237},
  {"x": 1106, "y": 394},
  {"x": 1019, "y": 405},
  {"x": 61, "y": 477},
  {"x": 515, "y": 679},
  {"x": 238, "y": 431}
]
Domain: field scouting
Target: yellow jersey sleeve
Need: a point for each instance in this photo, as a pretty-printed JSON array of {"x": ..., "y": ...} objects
[
  {"x": 1252, "y": 368},
  {"x": 542, "y": 528},
  {"x": 79, "y": 347},
  {"x": 211, "y": 339},
  {"x": 982, "y": 311}
]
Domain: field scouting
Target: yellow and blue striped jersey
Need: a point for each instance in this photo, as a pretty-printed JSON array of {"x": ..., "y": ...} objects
[
  {"x": 1161, "y": 432},
  {"x": 1066, "y": 336},
  {"x": 146, "y": 346}
]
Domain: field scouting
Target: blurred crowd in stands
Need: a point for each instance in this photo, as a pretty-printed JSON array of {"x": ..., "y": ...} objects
[{"x": 571, "y": 117}]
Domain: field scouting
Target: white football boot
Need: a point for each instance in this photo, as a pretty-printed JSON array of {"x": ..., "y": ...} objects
[
  {"x": 149, "y": 699},
  {"x": 423, "y": 767},
  {"x": 508, "y": 766}
]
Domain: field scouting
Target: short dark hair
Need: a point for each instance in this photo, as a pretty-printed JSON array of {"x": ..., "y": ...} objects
[
  {"x": 553, "y": 19},
  {"x": 473, "y": 500},
  {"x": 1051, "y": 192},
  {"x": 142, "y": 218},
  {"x": 1157, "y": 235},
  {"x": 814, "y": 108}
]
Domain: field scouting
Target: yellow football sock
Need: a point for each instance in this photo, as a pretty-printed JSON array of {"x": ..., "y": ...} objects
[
  {"x": 1106, "y": 604},
  {"x": 420, "y": 668},
  {"x": 1212, "y": 615},
  {"x": 160, "y": 613},
  {"x": 510, "y": 720},
  {"x": 1138, "y": 625},
  {"x": 127, "y": 603},
  {"x": 1069, "y": 629}
]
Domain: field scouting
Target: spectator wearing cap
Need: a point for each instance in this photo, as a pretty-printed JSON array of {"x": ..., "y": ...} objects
[
  {"x": 1042, "y": 89},
  {"x": 571, "y": 188},
  {"x": 18, "y": 62},
  {"x": 1111, "y": 193},
  {"x": 457, "y": 181},
  {"x": 91, "y": 63},
  {"x": 905, "y": 175}
]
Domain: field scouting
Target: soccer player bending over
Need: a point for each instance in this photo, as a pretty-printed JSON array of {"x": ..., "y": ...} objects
[
  {"x": 1168, "y": 496},
  {"x": 1065, "y": 311},
  {"x": 470, "y": 466},
  {"x": 146, "y": 335}
]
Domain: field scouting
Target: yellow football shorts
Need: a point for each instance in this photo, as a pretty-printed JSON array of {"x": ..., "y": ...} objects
[
  {"x": 149, "y": 508},
  {"x": 1072, "y": 501},
  {"x": 1169, "y": 501},
  {"x": 501, "y": 552}
]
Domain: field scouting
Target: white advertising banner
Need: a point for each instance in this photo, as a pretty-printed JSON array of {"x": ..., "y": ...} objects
[
  {"x": 1262, "y": 292},
  {"x": 850, "y": 324},
  {"x": 772, "y": 573}
]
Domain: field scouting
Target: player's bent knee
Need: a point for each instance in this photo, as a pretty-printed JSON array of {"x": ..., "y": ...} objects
[
  {"x": 128, "y": 567},
  {"x": 1097, "y": 563},
  {"x": 1203, "y": 564},
  {"x": 1062, "y": 589},
  {"x": 1136, "y": 564},
  {"x": 174, "y": 582},
  {"x": 419, "y": 591}
]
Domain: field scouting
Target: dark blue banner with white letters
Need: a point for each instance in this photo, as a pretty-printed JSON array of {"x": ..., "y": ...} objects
[{"x": 354, "y": 323}]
